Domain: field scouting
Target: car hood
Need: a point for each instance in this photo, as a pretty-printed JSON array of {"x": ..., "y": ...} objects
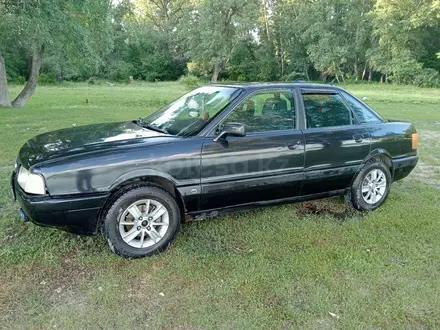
[{"x": 91, "y": 138}]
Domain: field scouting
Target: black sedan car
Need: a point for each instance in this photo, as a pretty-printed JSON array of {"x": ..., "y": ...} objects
[{"x": 216, "y": 149}]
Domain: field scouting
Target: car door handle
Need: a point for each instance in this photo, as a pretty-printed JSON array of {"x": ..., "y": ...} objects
[
  {"x": 358, "y": 137},
  {"x": 292, "y": 145}
]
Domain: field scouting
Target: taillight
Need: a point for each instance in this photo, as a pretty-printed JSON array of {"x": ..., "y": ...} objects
[{"x": 415, "y": 140}]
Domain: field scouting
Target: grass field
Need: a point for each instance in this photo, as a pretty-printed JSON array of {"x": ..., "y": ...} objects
[{"x": 300, "y": 266}]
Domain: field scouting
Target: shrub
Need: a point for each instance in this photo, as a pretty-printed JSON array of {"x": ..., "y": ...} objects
[
  {"x": 293, "y": 76},
  {"x": 95, "y": 81},
  {"x": 190, "y": 81},
  {"x": 120, "y": 71},
  {"x": 427, "y": 78},
  {"x": 19, "y": 80},
  {"x": 47, "y": 79}
]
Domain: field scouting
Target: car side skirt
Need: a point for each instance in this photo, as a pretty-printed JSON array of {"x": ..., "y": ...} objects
[{"x": 200, "y": 215}]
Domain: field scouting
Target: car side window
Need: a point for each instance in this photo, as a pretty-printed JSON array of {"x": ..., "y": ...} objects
[
  {"x": 266, "y": 111},
  {"x": 364, "y": 114},
  {"x": 326, "y": 110}
]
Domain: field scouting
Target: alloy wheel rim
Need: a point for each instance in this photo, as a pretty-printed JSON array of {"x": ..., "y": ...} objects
[
  {"x": 374, "y": 186},
  {"x": 144, "y": 223}
]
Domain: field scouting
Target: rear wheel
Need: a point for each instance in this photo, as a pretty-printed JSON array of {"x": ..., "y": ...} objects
[
  {"x": 141, "y": 222},
  {"x": 371, "y": 186}
]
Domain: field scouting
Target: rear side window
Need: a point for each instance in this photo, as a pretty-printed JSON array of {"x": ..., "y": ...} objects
[
  {"x": 326, "y": 110},
  {"x": 364, "y": 114}
]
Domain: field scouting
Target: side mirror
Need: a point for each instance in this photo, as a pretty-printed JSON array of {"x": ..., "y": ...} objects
[{"x": 231, "y": 129}]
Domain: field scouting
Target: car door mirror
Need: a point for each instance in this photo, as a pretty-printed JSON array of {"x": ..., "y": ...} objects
[{"x": 231, "y": 129}]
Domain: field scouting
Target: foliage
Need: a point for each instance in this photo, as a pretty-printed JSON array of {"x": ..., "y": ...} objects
[
  {"x": 74, "y": 32},
  {"x": 213, "y": 29},
  {"x": 427, "y": 78},
  {"x": 190, "y": 81},
  {"x": 255, "y": 40},
  {"x": 48, "y": 78}
]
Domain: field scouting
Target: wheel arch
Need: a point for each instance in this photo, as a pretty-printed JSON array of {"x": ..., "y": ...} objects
[
  {"x": 384, "y": 156},
  {"x": 381, "y": 154},
  {"x": 138, "y": 178}
]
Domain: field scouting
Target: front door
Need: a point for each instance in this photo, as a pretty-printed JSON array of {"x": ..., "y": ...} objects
[
  {"x": 336, "y": 144},
  {"x": 266, "y": 164}
]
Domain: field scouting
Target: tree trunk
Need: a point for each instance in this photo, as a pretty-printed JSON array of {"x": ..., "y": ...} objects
[
  {"x": 364, "y": 73},
  {"x": 4, "y": 92},
  {"x": 370, "y": 74},
  {"x": 281, "y": 50},
  {"x": 215, "y": 73},
  {"x": 306, "y": 73},
  {"x": 381, "y": 79},
  {"x": 31, "y": 84},
  {"x": 356, "y": 70},
  {"x": 266, "y": 23}
]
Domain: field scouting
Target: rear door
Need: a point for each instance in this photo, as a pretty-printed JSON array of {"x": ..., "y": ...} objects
[
  {"x": 336, "y": 143},
  {"x": 267, "y": 164}
]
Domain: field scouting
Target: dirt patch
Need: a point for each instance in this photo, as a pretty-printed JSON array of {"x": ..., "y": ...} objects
[
  {"x": 57, "y": 284},
  {"x": 429, "y": 135},
  {"x": 338, "y": 210},
  {"x": 427, "y": 170},
  {"x": 428, "y": 174}
]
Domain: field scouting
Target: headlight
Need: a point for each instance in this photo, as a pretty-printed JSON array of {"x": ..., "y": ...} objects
[{"x": 30, "y": 182}]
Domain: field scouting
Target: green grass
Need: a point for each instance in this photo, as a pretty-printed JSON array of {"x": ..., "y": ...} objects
[{"x": 278, "y": 268}]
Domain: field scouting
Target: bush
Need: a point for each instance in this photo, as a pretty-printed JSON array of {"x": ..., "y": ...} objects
[
  {"x": 47, "y": 79},
  {"x": 119, "y": 71},
  {"x": 95, "y": 81},
  {"x": 427, "y": 78},
  {"x": 293, "y": 76},
  {"x": 19, "y": 80},
  {"x": 190, "y": 81}
]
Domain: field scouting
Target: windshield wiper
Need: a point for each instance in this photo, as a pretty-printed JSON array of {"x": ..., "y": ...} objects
[
  {"x": 140, "y": 122},
  {"x": 155, "y": 128}
]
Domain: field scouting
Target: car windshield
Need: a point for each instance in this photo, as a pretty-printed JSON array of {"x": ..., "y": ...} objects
[{"x": 188, "y": 115}]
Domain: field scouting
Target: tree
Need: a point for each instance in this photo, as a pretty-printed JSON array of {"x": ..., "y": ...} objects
[
  {"x": 78, "y": 28},
  {"x": 213, "y": 29},
  {"x": 405, "y": 33}
]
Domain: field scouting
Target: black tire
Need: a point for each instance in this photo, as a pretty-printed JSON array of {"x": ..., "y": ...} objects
[
  {"x": 354, "y": 195},
  {"x": 110, "y": 226}
]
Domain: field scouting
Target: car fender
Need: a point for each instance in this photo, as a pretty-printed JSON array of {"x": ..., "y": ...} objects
[
  {"x": 382, "y": 154},
  {"x": 376, "y": 153},
  {"x": 139, "y": 174}
]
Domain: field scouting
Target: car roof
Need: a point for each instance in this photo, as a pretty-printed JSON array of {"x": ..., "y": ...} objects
[{"x": 266, "y": 85}]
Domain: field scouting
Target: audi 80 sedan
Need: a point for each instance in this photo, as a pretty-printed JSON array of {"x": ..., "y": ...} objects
[{"x": 214, "y": 150}]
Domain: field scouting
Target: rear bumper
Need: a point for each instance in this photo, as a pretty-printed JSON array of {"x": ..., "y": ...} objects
[
  {"x": 403, "y": 166},
  {"x": 75, "y": 214}
]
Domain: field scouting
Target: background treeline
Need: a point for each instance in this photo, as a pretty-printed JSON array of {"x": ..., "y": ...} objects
[{"x": 244, "y": 40}]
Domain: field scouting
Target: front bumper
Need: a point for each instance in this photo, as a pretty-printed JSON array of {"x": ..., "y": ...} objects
[
  {"x": 75, "y": 214},
  {"x": 403, "y": 166}
]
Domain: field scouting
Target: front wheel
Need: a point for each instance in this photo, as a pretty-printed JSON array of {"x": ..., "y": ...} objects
[
  {"x": 141, "y": 222},
  {"x": 371, "y": 186}
]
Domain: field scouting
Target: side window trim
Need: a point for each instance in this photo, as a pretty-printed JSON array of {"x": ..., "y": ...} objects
[
  {"x": 212, "y": 131},
  {"x": 353, "y": 115}
]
